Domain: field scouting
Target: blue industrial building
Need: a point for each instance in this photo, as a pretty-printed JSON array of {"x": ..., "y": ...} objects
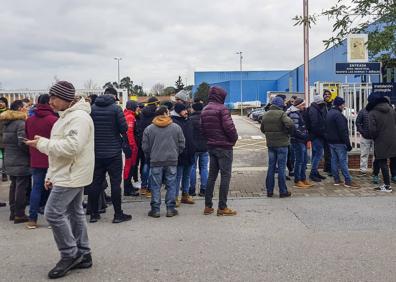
[{"x": 255, "y": 84}]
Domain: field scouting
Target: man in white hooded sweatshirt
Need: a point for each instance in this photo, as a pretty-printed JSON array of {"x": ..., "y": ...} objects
[{"x": 70, "y": 152}]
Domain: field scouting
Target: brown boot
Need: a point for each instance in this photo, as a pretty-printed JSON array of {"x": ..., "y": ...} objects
[
  {"x": 352, "y": 185},
  {"x": 143, "y": 191},
  {"x": 309, "y": 184},
  {"x": 187, "y": 199},
  {"x": 31, "y": 224},
  {"x": 21, "y": 219},
  {"x": 208, "y": 211},
  {"x": 177, "y": 202},
  {"x": 300, "y": 185},
  {"x": 226, "y": 212}
]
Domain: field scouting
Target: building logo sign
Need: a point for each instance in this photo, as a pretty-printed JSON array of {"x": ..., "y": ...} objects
[{"x": 357, "y": 48}]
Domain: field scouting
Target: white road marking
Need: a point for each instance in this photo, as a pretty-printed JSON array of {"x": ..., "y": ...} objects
[{"x": 256, "y": 137}]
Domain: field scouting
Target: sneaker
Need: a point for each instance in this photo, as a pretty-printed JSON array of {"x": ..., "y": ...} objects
[
  {"x": 226, "y": 212},
  {"x": 31, "y": 224},
  {"x": 94, "y": 218},
  {"x": 351, "y": 185},
  {"x": 118, "y": 218},
  {"x": 375, "y": 179},
  {"x": 362, "y": 174},
  {"x": 187, "y": 199},
  {"x": 384, "y": 188},
  {"x": 193, "y": 194},
  {"x": 4, "y": 177},
  {"x": 393, "y": 179},
  {"x": 21, "y": 219},
  {"x": 301, "y": 185},
  {"x": 85, "y": 263},
  {"x": 270, "y": 194},
  {"x": 285, "y": 195},
  {"x": 2, "y": 204},
  {"x": 201, "y": 193},
  {"x": 63, "y": 267},
  {"x": 315, "y": 178},
  {"x": 306, "y": 182},
  {"x": 154, "y": 214},
  {"x": 171, "y": 213},
  {"x": 208, "y": 211},
  {"x": 338, "y": 183}
]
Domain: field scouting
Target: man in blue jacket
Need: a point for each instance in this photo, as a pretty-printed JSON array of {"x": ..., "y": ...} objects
[
  {"x": 110, "y": 126},
  {"x": 337, "y": 136}
]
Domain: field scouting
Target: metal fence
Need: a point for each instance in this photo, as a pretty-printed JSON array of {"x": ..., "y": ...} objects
[{"x": 355, "y": 96}]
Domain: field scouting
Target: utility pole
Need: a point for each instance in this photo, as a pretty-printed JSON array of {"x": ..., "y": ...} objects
[
  {"x": 306, "y": 52},
  {"x": 240, "y": 70},
  {"x": 118, "y": 59}
]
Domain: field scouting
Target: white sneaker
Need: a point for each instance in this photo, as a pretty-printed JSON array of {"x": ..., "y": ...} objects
[
  {"x": 137, "y": 184},
  {"x": 384, "y": 188}
]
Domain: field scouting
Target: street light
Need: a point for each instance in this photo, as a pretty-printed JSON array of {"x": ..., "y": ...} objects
[
  {"x": 118, "y": 59},
  {"x": 240, "y": 70},
  {"x": 306, "y": 52}
]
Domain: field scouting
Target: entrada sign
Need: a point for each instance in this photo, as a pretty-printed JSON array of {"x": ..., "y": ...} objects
[{"x": 358, "y": 68}]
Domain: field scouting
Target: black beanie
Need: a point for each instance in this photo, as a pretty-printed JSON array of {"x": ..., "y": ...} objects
[
  {"x": 179, "y": 108},
  {"x": 131, "y": 105},
  {"x": 197, "y": 107}
]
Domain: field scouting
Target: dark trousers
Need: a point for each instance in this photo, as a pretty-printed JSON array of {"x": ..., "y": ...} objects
[
  {"x": 17, "y": 197},
  {"x": 220, "y": 160},
  {"x": 376, "y": 168},
  {"x": 290, "y": 159},
  {"x": 383, "y": 165},
  {"x": 327, "y": 157},
  {"x": 112, "y": 166}
]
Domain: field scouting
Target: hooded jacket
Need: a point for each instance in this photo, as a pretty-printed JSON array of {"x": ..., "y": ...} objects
[
  {"x": 186, "y": 158},
  {"x": 216, "y": 123},
  {"x": 70, "y": 149},
  {"x": 316, "y": 117},
  {"x": 362, "y": 123},
  {"x": 337, "y": 128},
  {"x": 145, "y": 119},
  {"x": 110, "y": 126},
  {"x": 300, "y": 133},
  {"x": 40, "y": 123},
  {"x": 200, "y": 142},
  {"x": 382, "y": 128},
  {"x": 16, "y": 152},
  {"x": 1, "y": 129},
  {"x": 277, "y": 127},
  {"x": 162, "y": 142}
]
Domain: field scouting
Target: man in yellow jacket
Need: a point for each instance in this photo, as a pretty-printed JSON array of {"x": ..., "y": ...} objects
[{"x": 70, "y": 151}]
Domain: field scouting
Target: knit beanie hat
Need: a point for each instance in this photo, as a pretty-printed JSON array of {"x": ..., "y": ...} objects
[
  {"x": 298, "y": 101},
  {"x": 182, "y": 95},
  {"x": 318, "y": 99},
  {"x": 131, "y": 105},
  {"x": 179, "y": 108},
  {"x": 63, "y": 90},
  {"x": 197, "y": 107},
  {"x": 278, "y": 101},
  {"x": 338, "y": 101}
]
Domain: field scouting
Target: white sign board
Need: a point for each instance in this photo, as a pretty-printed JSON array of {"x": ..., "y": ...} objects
[{"x": 357, "y": 48}]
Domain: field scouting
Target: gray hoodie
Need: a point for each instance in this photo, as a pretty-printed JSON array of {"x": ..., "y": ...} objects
[{"x": 163, "y": 141}]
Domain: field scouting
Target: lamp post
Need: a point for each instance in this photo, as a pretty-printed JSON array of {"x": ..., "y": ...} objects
[
  {"x": 306, "y": 52},
  {"x": 240, "y": 70},
  {"x": 118, "y": 59}
]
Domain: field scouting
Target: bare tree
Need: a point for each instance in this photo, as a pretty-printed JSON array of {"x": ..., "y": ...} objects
[
  {"x": 157, "y": 89},
  {"x": 90, "y": 84}
]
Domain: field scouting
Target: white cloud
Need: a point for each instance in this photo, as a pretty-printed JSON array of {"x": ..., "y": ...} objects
[{"x": 158, "y": 40}]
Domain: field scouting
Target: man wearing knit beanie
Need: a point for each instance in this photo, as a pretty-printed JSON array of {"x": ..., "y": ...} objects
[
  {"x": 70, "y": 151},
  {"x": 337, "y": 135}
]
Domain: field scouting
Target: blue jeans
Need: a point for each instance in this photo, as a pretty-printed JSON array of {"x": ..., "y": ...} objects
[
  {"x": 203, "y": 158},
  {"x": 317, "y": 154},
  {"x": 277, "y": 157},
  {"x": 38, "y": 189},
  {"x": 157, "y": 174},
  {"x": 300, "y": 153},
  {"x": 339, "y": 160},
  {"x": 183, "y": 178},
  {"x": 146, "y": 176}
]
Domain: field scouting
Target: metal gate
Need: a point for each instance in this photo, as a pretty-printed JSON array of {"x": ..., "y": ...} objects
[{"x": 355, "y": 96}]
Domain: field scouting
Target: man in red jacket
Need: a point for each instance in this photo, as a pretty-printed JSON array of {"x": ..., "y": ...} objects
[
  {"x": 219, "y": 129},
  {"x": 130, "y": 116},
  {"x": 40, "y": 123}
]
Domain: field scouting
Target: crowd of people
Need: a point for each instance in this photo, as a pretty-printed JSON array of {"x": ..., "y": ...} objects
[
  {"x": 291, "y": 127},
  {"x": 66, "y": 146}
]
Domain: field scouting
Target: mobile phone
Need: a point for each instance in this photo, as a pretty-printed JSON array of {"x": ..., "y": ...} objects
[{"x": 23, "y": 139}]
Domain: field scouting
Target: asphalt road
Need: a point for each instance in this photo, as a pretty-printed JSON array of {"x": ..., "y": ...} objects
[{"x": 297, "y": 239}]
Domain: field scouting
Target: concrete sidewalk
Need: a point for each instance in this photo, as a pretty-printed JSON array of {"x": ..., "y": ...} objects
[{"x": 300, "y": 239}]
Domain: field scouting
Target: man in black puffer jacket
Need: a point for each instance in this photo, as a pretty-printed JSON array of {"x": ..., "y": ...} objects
[
  {"x": 110, "y": 127},
  {"x": 145, "y": 119}
]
